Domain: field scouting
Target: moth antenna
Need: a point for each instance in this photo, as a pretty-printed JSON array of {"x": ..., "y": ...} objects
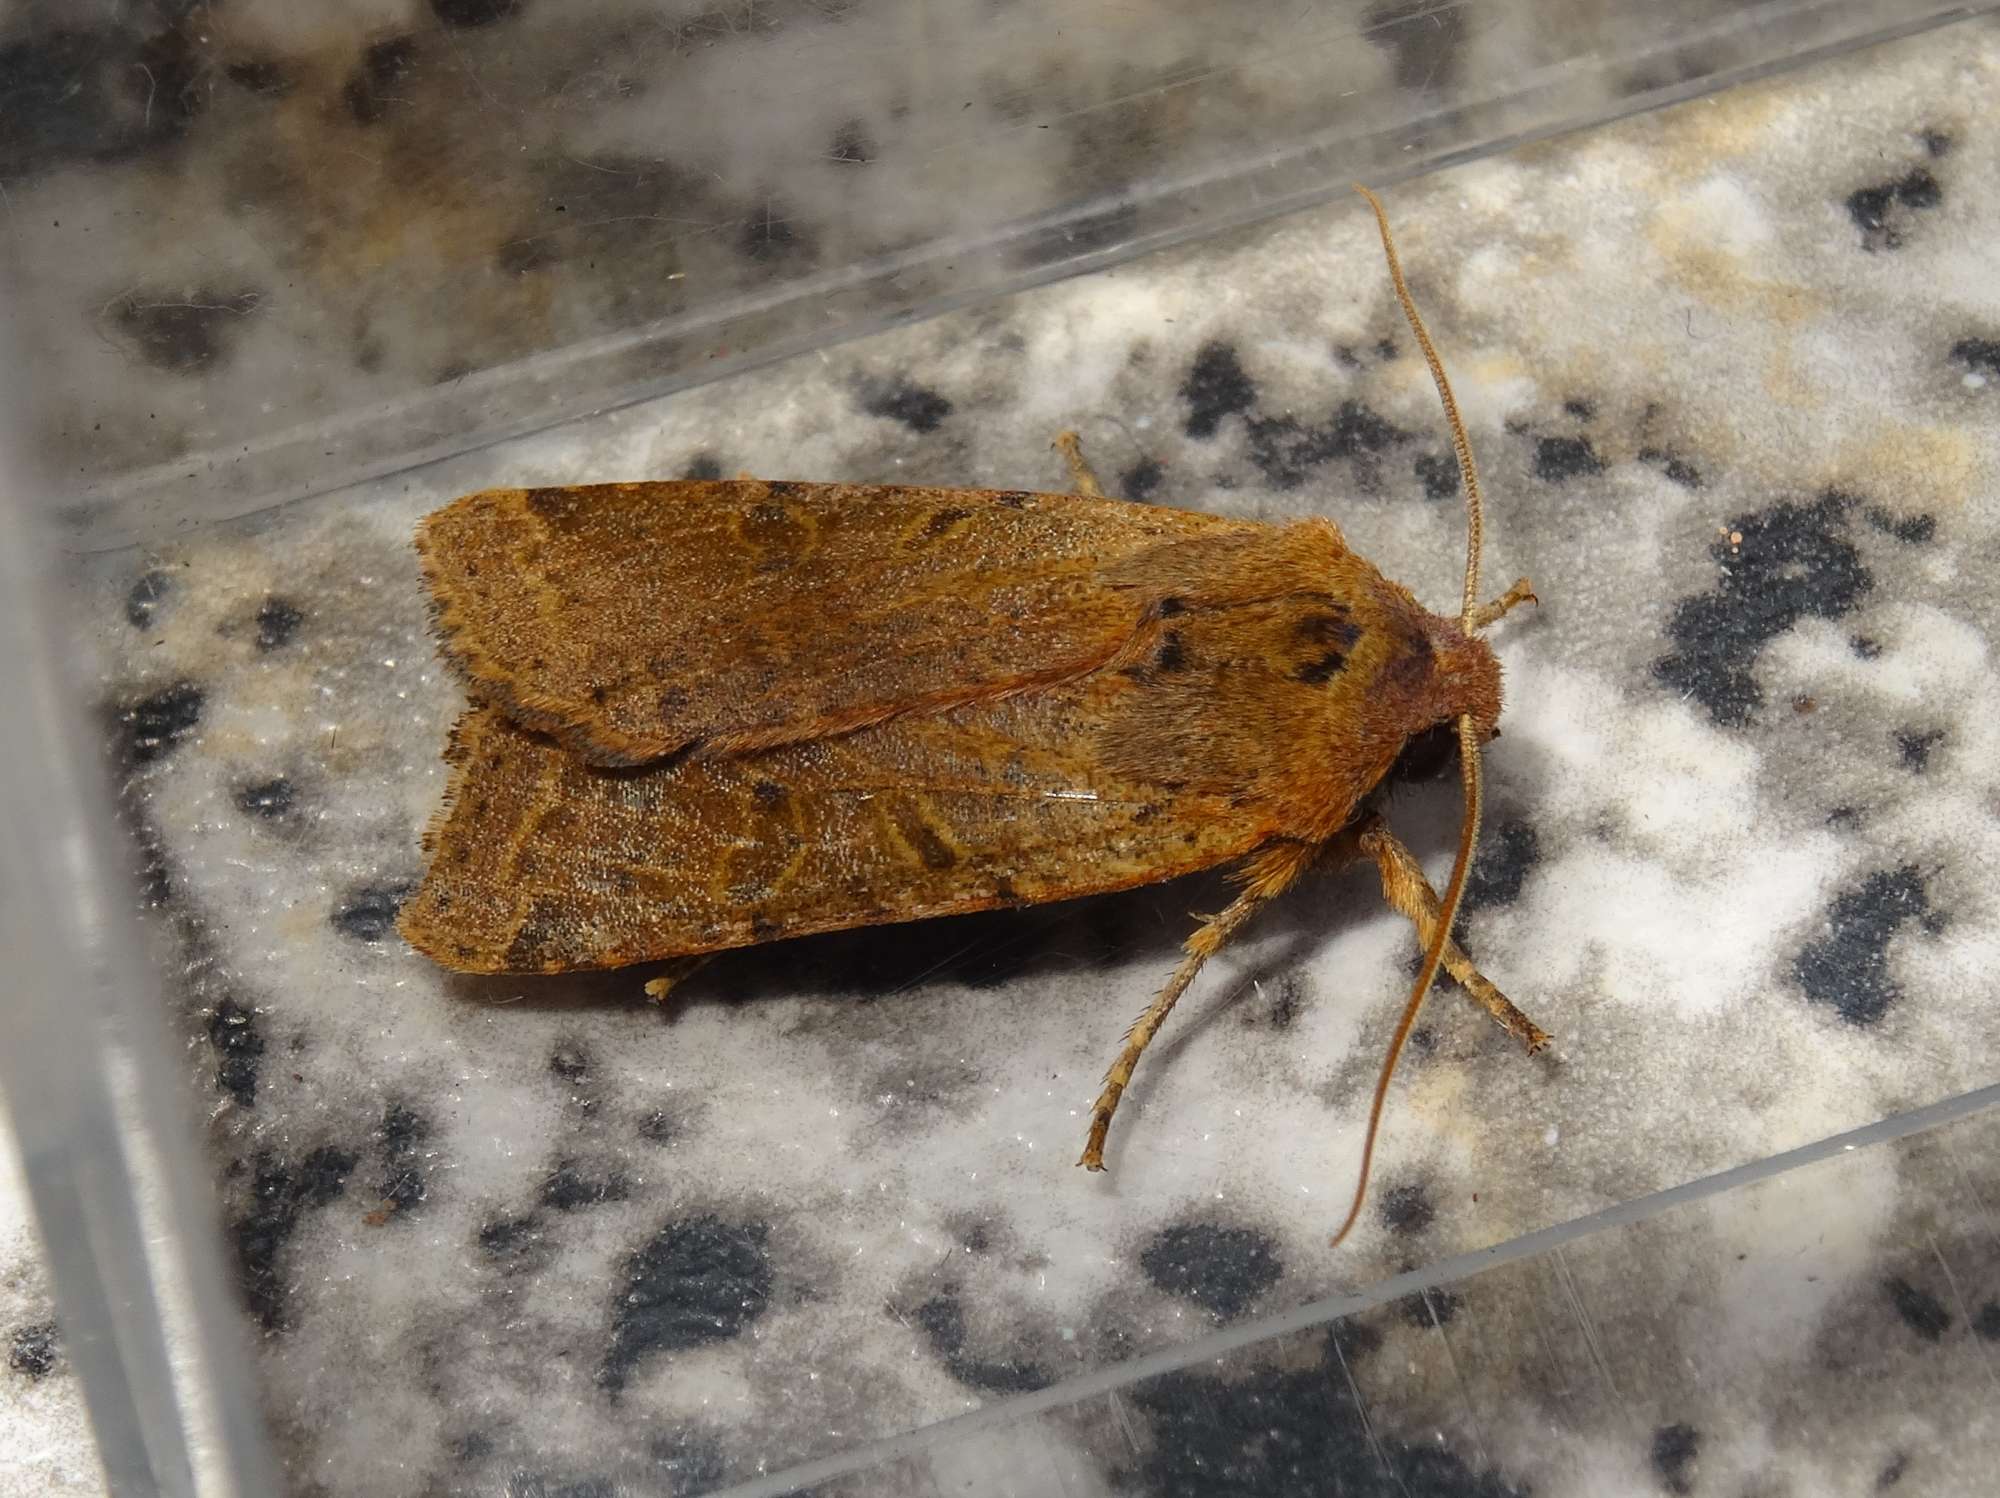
[
  {"x": 1475, "y": 512},
  {"x": 1468, "y": 837}
]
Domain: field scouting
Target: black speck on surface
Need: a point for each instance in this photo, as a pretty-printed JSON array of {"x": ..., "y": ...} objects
[
  {"x": 1507, "y": 853},
  {"x": 1847, "y": 969},
  {"x": 768, "y": 235},
  {"x": 1221, "y": 1269},
  {"x": 277, "y": 622},
  {"x": 1678, "y": 469},
  {"x": 1406, "y": 1209},
  {"x": 369, "y": 913},
  {"x": 704, "y": 466},
  {"x": 182, "y": 331},
  {"x": 919, "y": 409},
  {"x": 1876, "y": 210},
  {"x": 1913, "y": 747},
  {"x": 32, "y": 1349},
  {"x": 1922, "y": 1312},
  {"x": 1438, "y": 473},
  {"x": 1288, "y": 452},
  {"x": 1980, "y": 355},
  {"x": 510, "y": 1238},
  {"x": 1581, "y": 408},
  {"x": 1428, "y": 1310},
  {"x": 401, "y": 1136},
  {"x": 1911, "y": 528},
  {"x": 381, "y": 79},
  {"x": 269, "y": 799},
  {"x": 258, "y": 75},
  {"x": 155, "y": 724},
  {"x": 143, "y": 601},
  {"x": 526, "y": 1484},
  {"x": 1892, "y": 1471},
  {"x": 1426, "y": 43},
  {"x": 1791, "y": 563},
  {"x": 851, "y": 143},
  {"x": 1936, "y": 142},
  {"x": 238, "y": 1042},
  {"x": 1560, "y": 459},
  {"x": 571, "y": 1063},
  {"x": 567, "y": 1188},
  {"x": 699, "y": 1280},
  {"x": 1868, "y": 649},
  {"x": 1986, "y": 1321},
  {"x": 473, "y": 12},
  {"x": 659, "y": 1127},
  {"x": 691, "y": 1461},
  {"x": 77, "y": 94},
  {"x": 1265, "y": 1433},
  {"x": 1215, "y": 387},
  {"x": 1674, "y": 1449},
  {"x": 1844, "y": 817},
  {"x": 1142, "y": 480},
  {"x": 281, "y": 1194},
  {"x": 943, "y": 1321}
]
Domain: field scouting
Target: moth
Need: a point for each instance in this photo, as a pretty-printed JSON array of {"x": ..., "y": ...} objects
[{"x": 706, "y": 714}]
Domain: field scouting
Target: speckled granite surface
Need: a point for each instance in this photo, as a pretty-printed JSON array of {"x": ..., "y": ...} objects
[{"x": 1731, "y": 370}]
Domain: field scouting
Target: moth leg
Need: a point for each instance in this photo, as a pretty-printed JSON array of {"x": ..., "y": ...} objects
[
  {"x": 1410, "y": 894},
  {"x": 1265, "y": 877},
  {"x": 1522, "y": 592},
  {"x": 1071, "y": 447},
  {"x": 676, "y": 972}
]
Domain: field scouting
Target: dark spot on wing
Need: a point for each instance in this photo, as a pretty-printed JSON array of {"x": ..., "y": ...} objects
[
  {"x": 569, "y": 1188},
  {"x": 942, "y": 522},
  {"x": 270, "y": 800},
  {"x": 705, "y": 467},
  {"x": 1172, "y": 654},
  {"x": 1319, "y": 672}
]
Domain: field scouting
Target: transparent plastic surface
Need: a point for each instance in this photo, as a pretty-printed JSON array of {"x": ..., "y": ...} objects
[
  {"x": 1292, "y": 1402},
  {"x": 91, "y": 1082},
  {"x": 263, "y": 251}
]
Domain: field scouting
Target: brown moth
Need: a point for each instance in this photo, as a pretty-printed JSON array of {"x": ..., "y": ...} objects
[{"x": 710, "y": 714}]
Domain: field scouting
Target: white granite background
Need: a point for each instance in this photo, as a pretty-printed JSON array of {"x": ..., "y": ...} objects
[{"x": 1731, "y": 370}]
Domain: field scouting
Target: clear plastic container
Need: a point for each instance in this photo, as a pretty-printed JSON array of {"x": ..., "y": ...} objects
[{"x": 255, "y": 255}]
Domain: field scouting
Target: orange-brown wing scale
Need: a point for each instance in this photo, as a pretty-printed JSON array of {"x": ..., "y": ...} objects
[
  {"x": 630, "y": 620},
  {"x": 1220, "y": 727}
]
